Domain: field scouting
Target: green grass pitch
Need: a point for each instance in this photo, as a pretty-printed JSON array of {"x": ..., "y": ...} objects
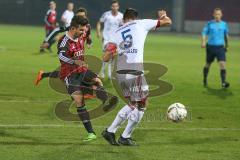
[{"x": 29, "y": 128}]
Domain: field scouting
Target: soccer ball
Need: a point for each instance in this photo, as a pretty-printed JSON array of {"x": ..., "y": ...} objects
[{"x": 176, "y": 112}]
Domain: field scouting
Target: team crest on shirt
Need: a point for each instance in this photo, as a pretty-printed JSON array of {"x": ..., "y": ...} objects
[{"x": 79, "y": 53}]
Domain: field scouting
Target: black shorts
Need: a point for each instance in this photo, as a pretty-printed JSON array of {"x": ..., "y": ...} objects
[
  {"x": 213, "y": 52},
  {"x": 80, "y": 82}
]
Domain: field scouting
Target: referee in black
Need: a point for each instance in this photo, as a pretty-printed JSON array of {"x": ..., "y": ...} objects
[{"x": 215, "y": 40}]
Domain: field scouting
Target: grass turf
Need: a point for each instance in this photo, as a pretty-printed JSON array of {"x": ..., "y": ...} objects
[{"x": 29, "y": 128}]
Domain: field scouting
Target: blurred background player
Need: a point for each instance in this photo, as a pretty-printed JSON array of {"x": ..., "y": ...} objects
[
  {"x": 129, "y": 42},
  {"x": 87, "y": 38},
  {"x": 80, "y": 12},
  {"x": 68, "y": 15},
  {"x": 50, "y": 23},
  {"x": 215, "y": 40},
  {"x": 112, "y": 20}
]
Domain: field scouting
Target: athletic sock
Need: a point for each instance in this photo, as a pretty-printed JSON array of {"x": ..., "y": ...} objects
[
  {"x": 120, "y": 118},
  {"x": 223, "y": 75},
  {"x": 45, "y": 75},
  {"x": 84, "y": 117},
  {"x": 134, "y": 118},
  {"x": 51, "y": 42},
  {"x": 54, "y": 74},
  {"x": 103, "y": 69},
  {"x": 110, "y": 69},
  {"x": 205, "y": 72}
]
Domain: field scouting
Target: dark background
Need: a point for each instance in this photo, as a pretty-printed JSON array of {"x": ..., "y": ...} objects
[
  {"x": 203, "y": 9},
  {"x": 31, "y": 12}
]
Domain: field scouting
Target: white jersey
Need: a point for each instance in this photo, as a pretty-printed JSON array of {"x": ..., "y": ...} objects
[
  {"x": 111, "y": 23},
  {"x": 67, "y": 15},
  {"x": 130, "y": 39}
]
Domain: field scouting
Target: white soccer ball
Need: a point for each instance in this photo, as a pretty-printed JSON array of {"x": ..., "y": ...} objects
[{"x": 176, "y": 112}]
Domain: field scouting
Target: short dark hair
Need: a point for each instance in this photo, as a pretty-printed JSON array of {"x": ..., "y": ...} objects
[
  {"x": 217, "y": 9},
  {"x": 130, "y": 13},
  {"x": 114, "y": 1},
  {"x": 78, "y": 20},
  {"x": 81, "y": 9}
]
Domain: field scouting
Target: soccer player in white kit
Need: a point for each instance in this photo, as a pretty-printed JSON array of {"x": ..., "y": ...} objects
[
  {"x": 112, "y": 20},
  {"x": 68, "y": 15},
  {"x": 128, "y": 44}
]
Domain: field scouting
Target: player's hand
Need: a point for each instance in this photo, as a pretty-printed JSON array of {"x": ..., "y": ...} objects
[
  {"x": 203, "y": 45},
  {"x": 162, "y": 14},
  {"x": 45, "y": 45},
  {"x": 226, "y": 48}
]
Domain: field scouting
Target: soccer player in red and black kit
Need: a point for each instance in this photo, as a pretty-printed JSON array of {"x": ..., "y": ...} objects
[
  {"x": 80, "y": 12},
  {"x": 75, "y": 73},
  {"x": 50, "y": 23}
]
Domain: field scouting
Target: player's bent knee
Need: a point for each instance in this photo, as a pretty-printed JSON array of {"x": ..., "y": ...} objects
[
  {"x": 98, "y": 81},
  {"x": 135, "y": 117},
  {"x": 122, "y": 115},
  {"x": 222, "y": 64},
  {"x": 78, "y": 99}
]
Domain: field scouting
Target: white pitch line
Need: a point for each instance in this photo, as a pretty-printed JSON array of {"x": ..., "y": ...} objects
[{"x": 98, "y": 126}]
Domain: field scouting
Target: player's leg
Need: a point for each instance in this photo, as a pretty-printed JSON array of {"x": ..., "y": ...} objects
[
  {"x": 51, "y": 42},
  {"x": 109, "y": 133},
  {"x": 84, "y": 115},
  {"x": 46, "y": 34},
  {"x": 120, "y": 118},
  {"x": 134, "y": 119},
  {"x": 76, "y": 90},
  {"x": 96, "y": 84},
  {"x": 102, "y": 72},
  {"x": 110, "y": 63},
  {"x": 41, "y": 75},
  {"x": 205, "y": 73},
  {"x": 221, "y": 57},
  {"x": 209, "y": 59},
  {"x": 138, "y": 95}
]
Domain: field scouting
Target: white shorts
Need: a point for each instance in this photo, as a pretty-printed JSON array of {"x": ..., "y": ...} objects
[{"x": 134, "y": 87}]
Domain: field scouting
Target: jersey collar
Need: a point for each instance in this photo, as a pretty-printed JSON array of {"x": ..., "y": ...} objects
[{"x": 75, "y": 40}]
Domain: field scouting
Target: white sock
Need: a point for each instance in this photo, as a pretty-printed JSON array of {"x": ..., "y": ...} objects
[
  {"x": 110, "y": 69},
  {"x": 120, "y": 118},
  {"x": 103, "y": 69},
  {"x": 133, "y": 119}
]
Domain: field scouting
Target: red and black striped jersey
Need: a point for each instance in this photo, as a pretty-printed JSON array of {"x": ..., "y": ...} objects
[
  {"x": 69, "y": 50},
  {"x": 50, "y": 19}
]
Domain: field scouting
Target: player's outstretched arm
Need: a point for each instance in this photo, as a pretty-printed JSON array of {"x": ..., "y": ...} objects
[
  {"x": 226, "y": 39},
  {"x": 205, "y": 32},
  {"x": 89, "y": 38},
  {"x": 204, "y": 41}
]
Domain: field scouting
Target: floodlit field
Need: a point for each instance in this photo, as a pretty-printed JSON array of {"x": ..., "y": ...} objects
[{"x": 29, "y": 128}]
